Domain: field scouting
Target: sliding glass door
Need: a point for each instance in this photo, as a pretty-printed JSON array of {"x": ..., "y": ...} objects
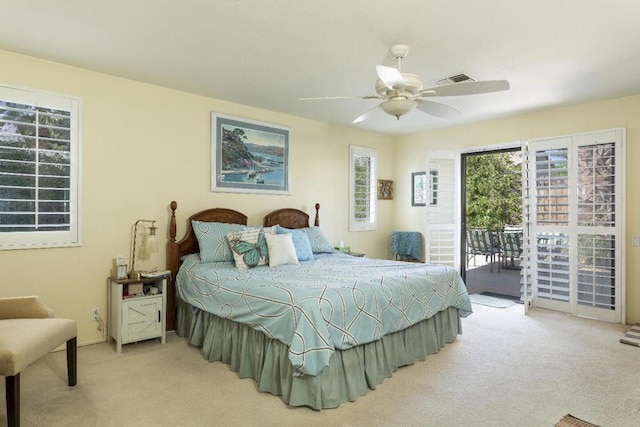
[{"x": 574, "y": 232}]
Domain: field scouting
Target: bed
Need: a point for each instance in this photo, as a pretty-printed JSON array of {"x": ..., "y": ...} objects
[{"x": 319, "y": 333}]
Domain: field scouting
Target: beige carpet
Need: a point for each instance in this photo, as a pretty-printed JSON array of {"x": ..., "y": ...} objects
[{"x": 505, "y": 370}]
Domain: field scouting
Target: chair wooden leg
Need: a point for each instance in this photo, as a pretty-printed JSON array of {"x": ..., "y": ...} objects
[
  {"x": 12, "y": 386},
  {"x": 72, "y": 361}
]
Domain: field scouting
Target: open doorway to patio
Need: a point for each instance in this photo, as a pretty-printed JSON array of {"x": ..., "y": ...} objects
[{"x": 492, "y": 222}]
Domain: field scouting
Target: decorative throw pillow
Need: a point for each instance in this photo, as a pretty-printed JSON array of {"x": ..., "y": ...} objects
[
  {"x": 249, "y": 247},
  {"x": 212, "y": 239},
  {"x": 300, "y": 242},
  {"x": 319, "y": 242},
  {"x": 281, "y": 249},
  {"x": 271, "y": 230}
]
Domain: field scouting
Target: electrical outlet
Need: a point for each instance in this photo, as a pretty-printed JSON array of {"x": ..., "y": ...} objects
[{"x": 95, "y": 314}]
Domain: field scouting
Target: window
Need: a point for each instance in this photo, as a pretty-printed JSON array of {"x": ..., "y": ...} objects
[
  {"x": 39, "y": 167},
  {"x": 362, "y": 206}
]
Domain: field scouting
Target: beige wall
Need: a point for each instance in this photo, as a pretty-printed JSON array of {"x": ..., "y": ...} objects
[
  {"x": 618, "y": 113},
  {"x": 143, "y": 146}
]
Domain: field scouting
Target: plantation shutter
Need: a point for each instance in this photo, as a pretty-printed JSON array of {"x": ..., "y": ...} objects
[
  {"x": 599, "y": 226},
  {"x": 526, "y": 270},
  {"x": 443, "y": 209},
  {"x": 551, "y": 201},
  {"x": 38, "y": 169},
  {"x": 575, "y": 224},
  {"x": 363, "y": 189}
]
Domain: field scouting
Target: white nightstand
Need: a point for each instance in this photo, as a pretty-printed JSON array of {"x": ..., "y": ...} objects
[{"x": 136, "y": 317}]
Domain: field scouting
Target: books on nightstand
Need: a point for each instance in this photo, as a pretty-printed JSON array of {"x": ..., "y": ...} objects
[{"x": 156, "y": 274}]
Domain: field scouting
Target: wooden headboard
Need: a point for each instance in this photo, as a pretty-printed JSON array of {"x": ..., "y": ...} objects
[
  {"x": 189, "y": 245},
  {"x": 291, "y": 218}
]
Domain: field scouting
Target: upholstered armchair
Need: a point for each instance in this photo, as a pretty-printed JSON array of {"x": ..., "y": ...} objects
[{"x": 29, "y": 331}]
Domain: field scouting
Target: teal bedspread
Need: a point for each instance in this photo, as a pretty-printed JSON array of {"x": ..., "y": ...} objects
[{"x": 332, "y": 302}]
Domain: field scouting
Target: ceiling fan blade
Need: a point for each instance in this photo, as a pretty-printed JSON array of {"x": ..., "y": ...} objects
[
  {"x": 365, "y": 115},
  {"x": 467, "y": 88},
  {"x": 341, "y": 97},
  {"x": 437, "y": 109},
  {"x": 390, "y": 76},
  {"x": 328, "y": 97}
]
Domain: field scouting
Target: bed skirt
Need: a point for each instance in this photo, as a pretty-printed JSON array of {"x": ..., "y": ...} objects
[{"x": 350, "y": 374}]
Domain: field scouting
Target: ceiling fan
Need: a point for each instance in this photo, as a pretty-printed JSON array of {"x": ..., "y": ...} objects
[{"x": 402, "y": 92}]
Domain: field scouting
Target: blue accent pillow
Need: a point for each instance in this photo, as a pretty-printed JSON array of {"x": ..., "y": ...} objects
[
  {"x": 212, "y": 239},
  {"x": 300, "y": 242},
  {"x": 319, "y": 243}
]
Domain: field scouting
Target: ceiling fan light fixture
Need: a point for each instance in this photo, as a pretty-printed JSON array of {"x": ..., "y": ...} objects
[
  {"x": 398, "y": 106},
  {"x": 402, "y": 92}
]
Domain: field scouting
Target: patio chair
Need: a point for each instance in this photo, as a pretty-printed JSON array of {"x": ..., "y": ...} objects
[
  {"x": 510, "y": 246},
  {"x": 481, "y": 242}
]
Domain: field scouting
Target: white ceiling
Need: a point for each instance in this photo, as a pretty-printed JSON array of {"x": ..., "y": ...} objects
[{"x": 270, "y": 53}]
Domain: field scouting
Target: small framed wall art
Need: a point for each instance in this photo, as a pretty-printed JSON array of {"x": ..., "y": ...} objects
[{"x": 385, "y": 189}]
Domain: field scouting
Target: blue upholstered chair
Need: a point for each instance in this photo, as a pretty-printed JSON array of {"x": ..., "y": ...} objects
[{"x": 406, "y": 245}]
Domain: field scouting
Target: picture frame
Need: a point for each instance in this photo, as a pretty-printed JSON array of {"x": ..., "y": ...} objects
[
  {"x": 385, "y": 189},
  {"x": 121, "y": 271},
  {"x": 418, "y": 188},
  {"x": 249, "y": 156},
  {"x": 421, "y": 189}
]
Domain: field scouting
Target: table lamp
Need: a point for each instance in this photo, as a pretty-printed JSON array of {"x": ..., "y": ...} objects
[{"x": 150, "y": 245}]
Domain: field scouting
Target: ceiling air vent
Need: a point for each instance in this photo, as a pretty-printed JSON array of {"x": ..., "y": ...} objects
[{"x": 458, "y": 78}]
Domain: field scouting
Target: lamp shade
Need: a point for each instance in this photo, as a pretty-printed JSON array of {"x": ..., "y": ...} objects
[
  {"x": 152, "y": 244},
  {"x": 149, "y": 245},
  {"x": 398, "y": 106}
]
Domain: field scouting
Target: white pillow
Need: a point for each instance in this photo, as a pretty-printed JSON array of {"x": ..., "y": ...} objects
[{"x": 281, "y": 249}]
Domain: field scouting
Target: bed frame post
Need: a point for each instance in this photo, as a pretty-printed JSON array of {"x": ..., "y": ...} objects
[
  {"x": 316, "y": 222},
  {"x": 172, "y": 223},
  {"x": 172, "y": 265}
]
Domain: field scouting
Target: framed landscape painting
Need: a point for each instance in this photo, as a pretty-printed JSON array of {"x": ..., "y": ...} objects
[{"x": 249, "y": 156}]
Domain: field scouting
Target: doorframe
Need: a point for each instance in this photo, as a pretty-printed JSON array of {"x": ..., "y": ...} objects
[{"x": 463, "y": 155}]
